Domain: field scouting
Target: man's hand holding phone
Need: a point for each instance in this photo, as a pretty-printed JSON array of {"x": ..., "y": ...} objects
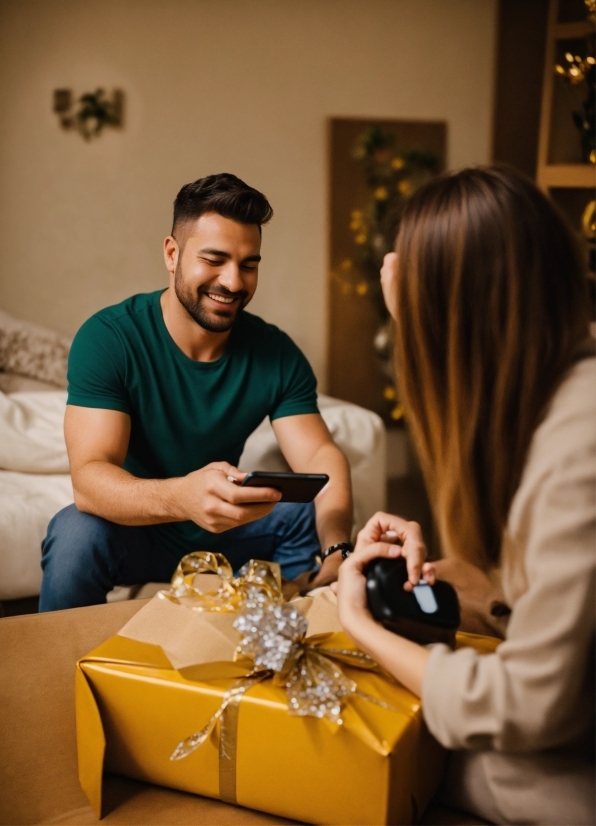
[
  {"x": 213, "y": 501},
  {"x": 294, "y": 487}
]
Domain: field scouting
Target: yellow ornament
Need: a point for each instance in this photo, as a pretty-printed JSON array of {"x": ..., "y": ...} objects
[
  {"x": 589, "y": 221},
  {"x": 404, "y": 187},
  {"x": 357, "y": 221},
  {"x": 397, "y": 163},
  {"x": 381, "y": 193},
  {"x": 397, "y": 412}
]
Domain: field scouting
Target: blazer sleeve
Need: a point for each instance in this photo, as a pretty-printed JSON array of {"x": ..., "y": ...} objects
[{"x": 531, "y": 693}]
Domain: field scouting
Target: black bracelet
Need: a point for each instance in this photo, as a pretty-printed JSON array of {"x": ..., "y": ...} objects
[{"x": 346, "y": 549}]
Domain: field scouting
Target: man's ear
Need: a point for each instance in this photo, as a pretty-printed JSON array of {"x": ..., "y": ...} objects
[{"x": 171, "y": 253}]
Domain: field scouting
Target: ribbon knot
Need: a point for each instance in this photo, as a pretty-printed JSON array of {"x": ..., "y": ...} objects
[{"x": 271, "y": 634}]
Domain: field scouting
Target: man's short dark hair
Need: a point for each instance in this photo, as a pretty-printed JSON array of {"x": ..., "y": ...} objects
[{"x": 224, "y": 194}]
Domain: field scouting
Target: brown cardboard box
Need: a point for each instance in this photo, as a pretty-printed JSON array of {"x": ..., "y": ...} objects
[{"x": 38, "y": 758}]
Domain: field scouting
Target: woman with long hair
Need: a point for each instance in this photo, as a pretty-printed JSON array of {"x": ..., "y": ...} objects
[{"x": 489, "y": 294}]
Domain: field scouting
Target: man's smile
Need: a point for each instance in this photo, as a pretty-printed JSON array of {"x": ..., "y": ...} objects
[{"x": 222, "y": 299}]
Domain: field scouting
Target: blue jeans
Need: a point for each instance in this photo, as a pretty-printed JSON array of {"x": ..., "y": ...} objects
[{"x": 84, "y": 556}]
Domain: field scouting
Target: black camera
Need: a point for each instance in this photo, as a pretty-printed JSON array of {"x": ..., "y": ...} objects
[{"x": 426, "y": 614}]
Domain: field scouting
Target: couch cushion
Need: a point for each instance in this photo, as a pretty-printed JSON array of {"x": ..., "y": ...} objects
[
  {"x": 27, "y": 503},
  {"x": 34, "y": 351}
]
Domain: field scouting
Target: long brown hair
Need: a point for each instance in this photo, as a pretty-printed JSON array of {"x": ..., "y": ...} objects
[{"x": 491, "y": 310}]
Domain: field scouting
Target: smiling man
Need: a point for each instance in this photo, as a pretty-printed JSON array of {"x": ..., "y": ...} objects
[{"x": 164, "y": 389}]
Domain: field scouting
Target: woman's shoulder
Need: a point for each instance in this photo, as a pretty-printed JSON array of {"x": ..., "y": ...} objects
[
  {"x": 554, "y": 503},
  {"x": 577, "y": 391},
  {"x": 568, "y": 430},
  {"x": 563, "y": 448}
]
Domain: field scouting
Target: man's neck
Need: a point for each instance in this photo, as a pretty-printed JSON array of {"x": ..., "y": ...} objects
[{"x": 194, "y": 341}]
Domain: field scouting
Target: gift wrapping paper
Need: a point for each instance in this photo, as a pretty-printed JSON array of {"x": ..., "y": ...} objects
[{"x": 172, "y": 673}]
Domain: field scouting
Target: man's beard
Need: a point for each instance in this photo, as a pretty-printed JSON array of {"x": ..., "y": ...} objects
[{"x": 208, "y": 320}]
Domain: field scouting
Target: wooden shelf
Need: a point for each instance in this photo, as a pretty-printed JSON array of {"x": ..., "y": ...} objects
[
  {"x": 559, "y": 175},
  {"x": 570, "y": 185},
  {"x": 568, "y": 175},
  {"x": 571, "y": 31}
]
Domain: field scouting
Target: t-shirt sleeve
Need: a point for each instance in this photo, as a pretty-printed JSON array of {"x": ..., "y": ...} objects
[
  {"x": 297, "y": 382},
  {"x": 97, "y": 369}
]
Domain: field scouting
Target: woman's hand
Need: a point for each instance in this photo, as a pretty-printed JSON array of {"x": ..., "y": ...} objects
[
  {"x": 406, "y": 539},
  {"x": 404, "y": 659},
  {"x": 378, "y": 538},
  {"x": 350, "y": 589}
]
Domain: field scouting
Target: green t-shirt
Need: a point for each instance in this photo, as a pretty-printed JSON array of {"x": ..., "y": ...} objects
[{"x": 185, "y": 413}]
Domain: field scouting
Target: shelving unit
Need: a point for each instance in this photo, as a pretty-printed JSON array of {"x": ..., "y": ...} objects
[
  {"x": 581, "y": 175},
  {"x": 560, "y": 171}
]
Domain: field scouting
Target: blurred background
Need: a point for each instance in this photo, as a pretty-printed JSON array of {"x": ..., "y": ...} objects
[
  {"x": 242, "y": 86},
  {"x": 335, "y": 109}
]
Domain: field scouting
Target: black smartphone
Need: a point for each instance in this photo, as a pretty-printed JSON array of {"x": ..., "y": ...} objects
[
  {"x": 426, "y": 614},
  {"x": 294, "y": 487}
]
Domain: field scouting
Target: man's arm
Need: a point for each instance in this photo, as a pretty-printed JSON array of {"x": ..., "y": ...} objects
[
  {"x": 308, "y": 447},
  {"x": 97, "y": 443}
]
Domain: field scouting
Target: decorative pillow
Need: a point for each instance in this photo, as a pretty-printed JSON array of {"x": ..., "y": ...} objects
[{"x": 33, "y": 351}]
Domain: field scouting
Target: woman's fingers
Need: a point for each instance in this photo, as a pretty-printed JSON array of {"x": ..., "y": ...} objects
[
  {"x": 376, "y": 526},
  {"x": 360, "y": 558},
  {"x": 386, "y": 527},
  {"x": 429, "y": 573},
  {"x": 351, "y": 593},
  {"x": 387, "y": 524}
]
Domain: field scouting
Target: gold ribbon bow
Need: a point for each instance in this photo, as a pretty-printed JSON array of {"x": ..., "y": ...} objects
[
  {"x": 194, "y": 586},
  {"x": 273, "y": 639}
]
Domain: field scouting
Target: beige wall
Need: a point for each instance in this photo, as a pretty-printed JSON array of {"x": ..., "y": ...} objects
[{"x": 212, "y": 85}]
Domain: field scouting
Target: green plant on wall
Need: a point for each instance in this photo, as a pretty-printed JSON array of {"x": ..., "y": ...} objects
[
  {"x": 392, "y": 174},
  {"x": 91, "y": 113},
  {"x": 95, "y": 111}
]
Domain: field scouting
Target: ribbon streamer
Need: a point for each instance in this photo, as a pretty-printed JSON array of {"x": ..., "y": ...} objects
[{"x": 197, "y": 739}]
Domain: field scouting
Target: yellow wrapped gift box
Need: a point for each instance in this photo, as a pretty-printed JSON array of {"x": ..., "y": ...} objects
[{"x": 143, "y": 692}]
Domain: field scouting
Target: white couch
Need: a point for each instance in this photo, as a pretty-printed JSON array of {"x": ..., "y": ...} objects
[{"x": 34, "y": 480}]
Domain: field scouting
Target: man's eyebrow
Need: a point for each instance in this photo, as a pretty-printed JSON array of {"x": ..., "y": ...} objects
[
  {"x": 222, "y": 254},
  {"x": 219, "y": 253}
]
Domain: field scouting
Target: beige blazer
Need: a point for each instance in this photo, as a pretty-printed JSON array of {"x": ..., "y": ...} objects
[{"x": 525, "y": 715}]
